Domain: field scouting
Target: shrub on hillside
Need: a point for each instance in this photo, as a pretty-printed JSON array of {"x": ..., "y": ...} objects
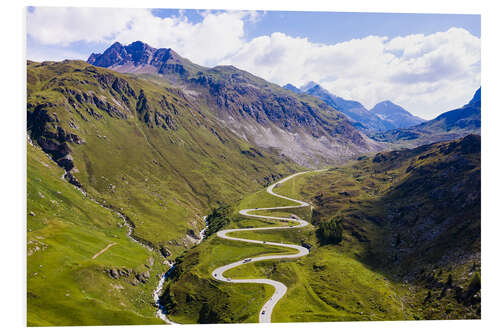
[
  {"x": 330, "y": 232},
  {"x": 474, "y": 287},
  {"x": 218, "y": 218}
]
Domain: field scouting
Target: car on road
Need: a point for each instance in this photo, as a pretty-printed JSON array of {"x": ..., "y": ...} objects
[
  {"x": 247, "y": 260},
  {"x": 263, "y": 312}
]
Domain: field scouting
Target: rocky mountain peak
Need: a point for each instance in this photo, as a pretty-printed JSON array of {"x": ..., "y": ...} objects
[
  {"x": 140, "y": 52},
  {"x": 476, "y": 98},
  {"x": 116, "y": 46},
  {"x": 113, "y": 54},
  {"x": 396, "y": 115},
  {"x": 137, "y": 45},
  {"x": 316, "y": 88},
  {"x": 310, "y": 85},
  {"x": 293, "y": 88},
  {"x": 139, "y": 57},
  {"x": 387, "y": 107},
  {"x": 386, "y": 103}
]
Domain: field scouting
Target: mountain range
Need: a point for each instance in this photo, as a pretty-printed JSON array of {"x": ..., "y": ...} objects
[
  {"x": 447, "y": 126},
  {"x": 148, "y": 160},
  {"x": 142, "y": 149},
  {"x": 129, "y": 151},
  {"x": 303, "y": 128},
  {"x": 395, "y": 115},
  {"x": 383, "y": 116}
]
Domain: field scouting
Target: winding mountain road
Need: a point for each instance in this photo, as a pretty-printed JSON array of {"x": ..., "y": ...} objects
[{"x": 280, "y": 289}]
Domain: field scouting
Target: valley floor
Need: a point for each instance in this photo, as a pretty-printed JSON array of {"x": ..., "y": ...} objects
[
  {"x": 326, "y": 285},
  {"x": 84, "y": 269},
  {"x": 366, "y": 276}
]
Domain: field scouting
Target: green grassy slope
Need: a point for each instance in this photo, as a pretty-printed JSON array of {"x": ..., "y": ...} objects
[
  {"x": 323, "y": 286},
  {"x": 411, "y": 219},
  {"x": 328, "y": 286},
  {"x": 143, "y": 148},
  {"x": 413, "y": 215},
  {"x": 191, "y": 291},
  {"x": 140, "y": 147},
  {"x": 65, "y": 230}
]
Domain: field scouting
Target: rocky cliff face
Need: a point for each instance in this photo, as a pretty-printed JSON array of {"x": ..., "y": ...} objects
[
  {"x": 139, "y": 57},
  {"x": 308, "y": 131},
  {"x": 47, "y": 131},
  {"x": 303, "y": 128}
]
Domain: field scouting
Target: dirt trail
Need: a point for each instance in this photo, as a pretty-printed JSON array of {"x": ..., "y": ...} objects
[{"x": 103, "y": 250}]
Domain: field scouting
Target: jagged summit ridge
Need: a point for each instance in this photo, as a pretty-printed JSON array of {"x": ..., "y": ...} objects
[
  {"x": 384, "y": 116},
  {"x": 447, "y": 126},
  {"x": 293, "y": 88},
  {"x": 139, "y": 57}
]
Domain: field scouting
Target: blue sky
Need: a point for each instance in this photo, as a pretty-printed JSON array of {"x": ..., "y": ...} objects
[
  {"x": 334, "y": 27},
  {"x": 428, "y": 63}
]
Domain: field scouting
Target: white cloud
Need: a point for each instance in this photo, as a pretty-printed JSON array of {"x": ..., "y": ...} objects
[
  {"x": 426, "y": 74},
  {"x": 64, "y": 25},
  {"x": 54, "y": 54},
  {"x": 218, "y": 35}
]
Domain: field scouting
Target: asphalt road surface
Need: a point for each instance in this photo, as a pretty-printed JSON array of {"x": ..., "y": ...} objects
[{"x": 280, "y": 289}]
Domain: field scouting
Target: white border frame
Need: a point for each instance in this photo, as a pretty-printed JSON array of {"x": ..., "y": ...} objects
[{"x": 13, "y": 166}]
